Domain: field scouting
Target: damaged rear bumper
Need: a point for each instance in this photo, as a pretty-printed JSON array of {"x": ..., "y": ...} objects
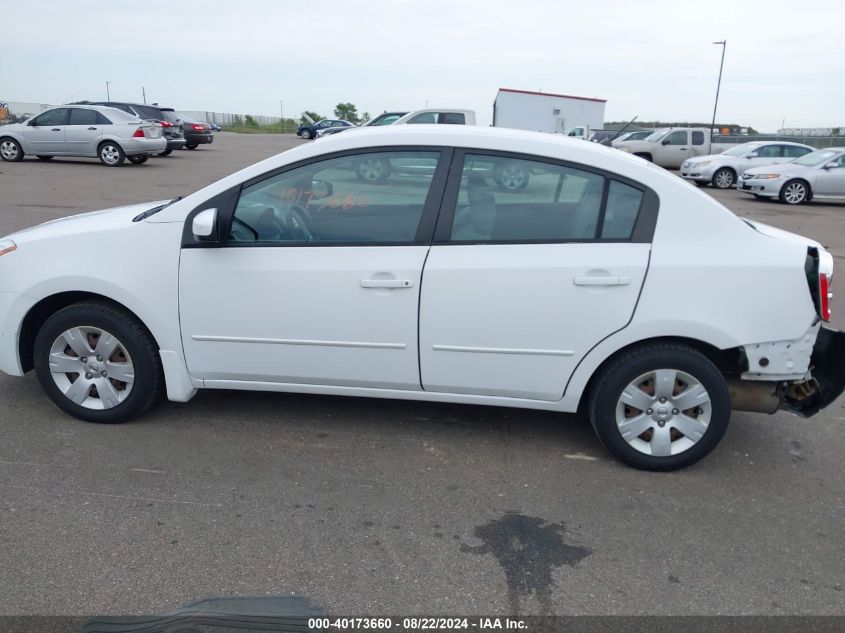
[{"x": 827, "y": 368}]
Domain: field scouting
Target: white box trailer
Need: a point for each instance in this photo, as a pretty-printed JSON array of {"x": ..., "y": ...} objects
[{"x": 546, "y": 111}]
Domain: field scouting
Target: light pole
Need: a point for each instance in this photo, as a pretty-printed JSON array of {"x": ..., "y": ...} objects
[
  {"x": 282, "y": 107},
  {"x": 724, "y": 44},
  {"x": 108, "y": 96}
]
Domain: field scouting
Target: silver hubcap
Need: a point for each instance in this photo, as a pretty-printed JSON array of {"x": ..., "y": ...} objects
[
  {"x": 795, "y": 192},
  {"x": 664, "y": 412},
  {"x": 110, "y": 154},
  {"x": 724, "y": 179},
  {"x": 91, "y": 367},
  {"x": 513, "y": 177},
  {"x": 371, "y": 169},
  {"x": 8, "y": 150}
]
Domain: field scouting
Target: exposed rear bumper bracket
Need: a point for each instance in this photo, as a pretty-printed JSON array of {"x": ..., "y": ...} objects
[{"x": 827, "y": 366}]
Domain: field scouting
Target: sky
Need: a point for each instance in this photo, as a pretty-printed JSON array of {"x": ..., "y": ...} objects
[{"x": 784, "y": 63}]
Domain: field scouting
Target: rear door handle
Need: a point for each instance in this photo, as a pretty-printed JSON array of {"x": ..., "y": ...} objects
[
  {"x": 386, "y": 283},
  {"x": 92, "y": 129},
  {"x": 601, "y": 280},
  {"x": 56, "y": 129}
]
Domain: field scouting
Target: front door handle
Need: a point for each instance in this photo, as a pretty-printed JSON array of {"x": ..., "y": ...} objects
[
  {"x": 92, "y": 129},
  {"x": 386, "y": 283},
  {"x": 56, "y": 129},
  {"x": 601, "y": 280}
]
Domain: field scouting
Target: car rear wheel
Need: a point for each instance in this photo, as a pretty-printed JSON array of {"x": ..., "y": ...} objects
[
  {"x": 111, "y": 154},
  {"x": 373, "y": 170},
  {"x": 138, "y": 159},
  {"x": 166, "y": 152},
  {"x": 513, "y": 177},
  {"x": 306, "y": 134},
  {"x": 795, "y": 192},
  {"x": 98, "y": 363},
  {"x": 191, "y": 145},
  {"x": 42, "y": 157},
  {"x": 10, "y": 150},
  {"x": 660, "y": 407},
  {"x": 724, "y": 178}
]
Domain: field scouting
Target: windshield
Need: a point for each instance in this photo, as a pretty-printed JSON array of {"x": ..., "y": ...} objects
[
  {"x": 741, "y": 150},
  {"x": 657, "y": 134},
  {"x": 815, "y": 158}
]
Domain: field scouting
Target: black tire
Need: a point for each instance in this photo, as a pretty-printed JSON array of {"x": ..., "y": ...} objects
[
  {"x": 10, "y": 150},
  {"x": 111, "y": 154},
  {"x": 759, "y": 197},
  {"x": 795, "y": 191},
  {"x": 724, "y": 178},
  {"x": 138, "y": 159},
  {"x": 166, "y": 152},
  {"x": 46, "y": 157},
  {"x": 191, "y": 145},
  {"x": 373, "y": 170},
  {"x": 621, "y": 372},
  {"x": 133, "y": 336},
  {"x": 306, "y": 134}
]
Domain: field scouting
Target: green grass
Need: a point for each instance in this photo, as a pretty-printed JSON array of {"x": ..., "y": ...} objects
[{"x": 289, "y": 128}]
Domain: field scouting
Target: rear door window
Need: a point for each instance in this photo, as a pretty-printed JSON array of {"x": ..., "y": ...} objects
[
  {"x": 81, "y": 116},
  {"x": 698, "y": 138}
]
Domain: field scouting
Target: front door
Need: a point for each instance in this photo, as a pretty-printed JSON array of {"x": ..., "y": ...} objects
[
  {"x": 45, "y": 134},
  {"x": 519, "y": 285},
  {"x": 318, "y": 279},
  {"x": 831, "y": 181},
  {"x": 674, "y": 149},
  {"x": 83, "y": 131}
]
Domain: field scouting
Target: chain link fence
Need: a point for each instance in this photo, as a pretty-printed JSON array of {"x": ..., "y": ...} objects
[{"x": 819, "y": 142}]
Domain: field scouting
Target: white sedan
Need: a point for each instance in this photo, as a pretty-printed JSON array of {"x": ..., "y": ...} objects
[
  {"x": 724, "y": 170},
  {"x": 605, "y": 285}
]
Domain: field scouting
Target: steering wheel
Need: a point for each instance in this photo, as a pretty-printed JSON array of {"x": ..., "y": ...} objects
[{"x": 291, "y": 224}]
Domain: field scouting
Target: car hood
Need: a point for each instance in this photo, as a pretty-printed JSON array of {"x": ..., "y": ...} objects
[
  {"x": 91, "y": 222},
  {"x": 12, "y": 127},
  {"x": 708, "y": 158}
]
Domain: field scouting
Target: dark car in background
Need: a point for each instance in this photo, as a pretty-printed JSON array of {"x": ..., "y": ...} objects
[
  {"x": 196, "y": 132},
  {"x": 309, "y": 130},
  {"x": 172, "y": 130}
]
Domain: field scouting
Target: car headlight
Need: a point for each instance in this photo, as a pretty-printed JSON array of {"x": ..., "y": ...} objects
[
  {"x": 624, "y": 149},
  {"x": 765, "y": 176},
  {"x": 7, "y": 246},
  {"x": 701, "y": 163}
]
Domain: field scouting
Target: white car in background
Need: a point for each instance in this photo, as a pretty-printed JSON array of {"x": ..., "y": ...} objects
[
  {"x": 724, "y": 170},
  {"x": 83, "y": 130},
  {"x": 604, "y": 285},
  {"x": 819, "y": 175}
]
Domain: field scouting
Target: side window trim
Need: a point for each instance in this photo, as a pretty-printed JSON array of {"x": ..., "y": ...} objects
[
  {"x": 227, "y": 202},
  {"x": 642, "y": 233}
]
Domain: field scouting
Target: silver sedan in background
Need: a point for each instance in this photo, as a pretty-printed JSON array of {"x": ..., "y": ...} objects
[
  {"x": 818, "y": 175},
  {"x": 724, "y": 170},
  {"x": 83, "y": 130}
]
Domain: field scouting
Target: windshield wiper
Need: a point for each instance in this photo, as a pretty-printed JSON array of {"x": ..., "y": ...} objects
[{"x": 154, "y": 210}]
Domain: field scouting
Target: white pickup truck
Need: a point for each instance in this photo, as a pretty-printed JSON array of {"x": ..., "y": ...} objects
[{"x": 669, "y": 147}]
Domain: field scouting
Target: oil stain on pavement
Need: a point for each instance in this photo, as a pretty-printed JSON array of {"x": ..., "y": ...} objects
[{"x": 527, "y": 548}]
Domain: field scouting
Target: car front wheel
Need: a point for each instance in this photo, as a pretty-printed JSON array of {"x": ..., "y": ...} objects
[
  {"x": 306, "y": 134},
  {"x": 10, "y": 150},
  {"x": 138, "y": 159},
  {"x": 660, "y": 407},
  {"x": 795, "y": 192},
  {"x": 725, "y": 178},
  {"x": 97, "y": 363},
  {"x": 111, "y": 154}
]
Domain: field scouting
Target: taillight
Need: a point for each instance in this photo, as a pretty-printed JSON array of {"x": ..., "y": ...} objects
[
  {"x": 165, "y": 124},
  {"x": 139, "y": 133},
  {"x": 824, "y": 297},
  {"x": 198, "y": 127}
]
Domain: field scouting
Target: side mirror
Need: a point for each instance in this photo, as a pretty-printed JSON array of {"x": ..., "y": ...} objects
[
  {"x": 753, "y": 155},
  {"x": 204, "y": 225},
  {"x": 321, "y": 189},
  {"x": 833, "y": 165},
  {"x": 666, "y": 142}
]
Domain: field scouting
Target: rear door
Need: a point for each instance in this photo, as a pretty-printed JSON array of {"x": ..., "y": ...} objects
[
  {"x": 830, "y": 182},
  {"x": 318, "y": 279},
  {"x": 45, "y": 134},
  {"x": 84, "y": 130},
  {"x": 520, "y": 284}
]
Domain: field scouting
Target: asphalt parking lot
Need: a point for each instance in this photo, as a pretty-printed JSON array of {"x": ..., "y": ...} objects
[{"x": 397, "y": 507}]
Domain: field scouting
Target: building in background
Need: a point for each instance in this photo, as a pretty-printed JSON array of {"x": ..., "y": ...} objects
[{"x": 546, "y": 111}]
